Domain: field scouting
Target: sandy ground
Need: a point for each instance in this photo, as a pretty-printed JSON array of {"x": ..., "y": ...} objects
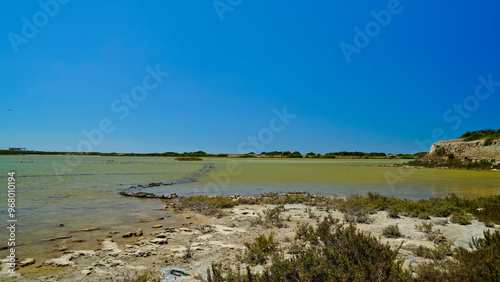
[{"x": 211, "y": 239}]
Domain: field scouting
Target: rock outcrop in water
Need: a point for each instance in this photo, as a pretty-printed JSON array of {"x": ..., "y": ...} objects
[{"x": 136, "y": 190}]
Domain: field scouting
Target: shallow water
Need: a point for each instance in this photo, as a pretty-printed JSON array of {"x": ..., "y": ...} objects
[
  {"x": 87, "y": 195},
  {"x": 344, "y": 176}
]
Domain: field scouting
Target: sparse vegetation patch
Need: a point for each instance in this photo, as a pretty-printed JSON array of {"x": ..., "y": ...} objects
[{"x": 207, "y": 205}]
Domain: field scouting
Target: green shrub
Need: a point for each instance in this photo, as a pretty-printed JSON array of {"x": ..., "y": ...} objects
[
  {"x": 392, "y": 231},
  {"x": 149, "y": 276},
  {"x": 440, "y": 152},
  {"x": 481, "y": 263},
  {"x": 432, "y": 235},
  {"x": 462, "y": 219},
  {"x": 357, "y": 217},
  {"x": 272, "y": 217},
  {"x": 424, "y": 227},
  {"x": 488, "y": 141},
  {"x": 257, "y": 252},
  {"x": 489, "y": 224},
  {"x": 423, "y": 215},
  {"x": 481, "y": 134},
  {"x": 440, "y": 251},
  {"x": 424, "y": 252},
  {"x": 393, "y": 213}
]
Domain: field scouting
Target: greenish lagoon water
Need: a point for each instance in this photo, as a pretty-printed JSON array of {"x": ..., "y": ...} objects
[{"x": 87, "y": 194}]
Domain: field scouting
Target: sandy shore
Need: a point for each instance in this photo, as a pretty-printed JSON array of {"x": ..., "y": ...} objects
[{"x": 189, "y": 249}]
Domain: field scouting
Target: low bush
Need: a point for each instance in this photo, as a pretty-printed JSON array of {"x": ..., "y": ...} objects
[
  {"x": 357, "y": 217},
  {"x": 393, "y": 213},
  {"x": 257, "y": 252},
  {"x": 424, "y": 227},
  {"x": 392, "y": 231},
  {"x": 462, "y": 218},
  {"x": 272, "y": 217},
  {"x": 489, "y": 224},
  {"x": 489, "y": 141},
  {"x": 149, "y": 275},
  {"x": 433, "y": 235},
  {"x": 440, "y": 251},
  {"x": 310, "y": 212},
  {"x": 480, "y": 263}
]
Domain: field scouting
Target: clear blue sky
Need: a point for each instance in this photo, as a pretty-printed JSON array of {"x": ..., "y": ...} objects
[{"x": 229, "y": 69}]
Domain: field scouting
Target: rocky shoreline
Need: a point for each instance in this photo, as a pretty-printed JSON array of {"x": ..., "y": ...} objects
[
  {"x": 405, "y": 166},
  {"x": 184, "y": 253}
]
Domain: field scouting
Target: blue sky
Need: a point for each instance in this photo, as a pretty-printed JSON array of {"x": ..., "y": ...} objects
[{"x": 230, "y": 70}]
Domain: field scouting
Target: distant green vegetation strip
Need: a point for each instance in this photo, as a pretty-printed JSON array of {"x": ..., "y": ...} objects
[
  {"x": 188, "y": 159},
  {"x": 273, "y": 154},
  {"x": 166, "y": 154},
  {"x": 342, "y": 154}
]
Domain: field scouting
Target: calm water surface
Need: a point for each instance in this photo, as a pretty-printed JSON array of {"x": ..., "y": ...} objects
[{"x": 88, "y": 194}]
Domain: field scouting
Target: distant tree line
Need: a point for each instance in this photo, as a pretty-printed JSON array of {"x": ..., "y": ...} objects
[
  {"x": 332, "y": 155},
  {"x": 279, "y": 154},
  {"x": 166, "y": 154}
]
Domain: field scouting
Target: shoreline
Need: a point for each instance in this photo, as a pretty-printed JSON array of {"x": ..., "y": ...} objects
[
  {"x": 192, "y": 246},
  {"x": 404, "y": 166}
]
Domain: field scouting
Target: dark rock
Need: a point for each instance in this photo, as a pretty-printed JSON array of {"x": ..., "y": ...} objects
[
  {"x": 128, "y": 234},
  {"x": 178, "y": 272}
]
